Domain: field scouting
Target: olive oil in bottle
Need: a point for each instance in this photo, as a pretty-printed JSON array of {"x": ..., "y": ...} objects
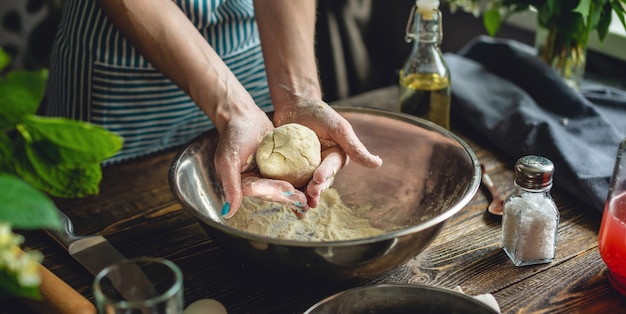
[
  {"x": 426, "y": 95},
  {"x": 425, "y": 78}
]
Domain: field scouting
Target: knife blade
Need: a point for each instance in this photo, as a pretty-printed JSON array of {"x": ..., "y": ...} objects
[{"x": 95, "y": 253}]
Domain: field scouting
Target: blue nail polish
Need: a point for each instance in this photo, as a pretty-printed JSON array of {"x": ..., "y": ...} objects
[
  {"x": 298, "y": 204},
  {"x": 300, "y": 211},
  {"x": 225, "y": 209},
  {"x": 288, "y": 193}
]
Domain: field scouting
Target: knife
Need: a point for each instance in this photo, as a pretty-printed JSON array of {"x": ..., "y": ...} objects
[{"x": 95, "y": 253}]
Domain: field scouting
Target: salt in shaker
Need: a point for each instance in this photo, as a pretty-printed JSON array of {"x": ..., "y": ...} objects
[{"x": 530, "y": 220}]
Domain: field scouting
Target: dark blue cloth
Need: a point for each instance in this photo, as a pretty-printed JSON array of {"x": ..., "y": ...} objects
[{"x": 500, "y": 88}]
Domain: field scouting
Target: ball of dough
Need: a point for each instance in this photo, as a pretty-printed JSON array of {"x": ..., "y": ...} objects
[{"x": 290, "y": 152}]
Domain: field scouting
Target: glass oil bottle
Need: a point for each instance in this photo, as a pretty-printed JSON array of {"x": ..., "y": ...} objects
[{"x": 425, "y": 78}]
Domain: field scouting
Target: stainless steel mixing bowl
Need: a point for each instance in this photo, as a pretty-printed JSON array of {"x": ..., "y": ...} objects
[
  {"x": 399, "y": 299},
  {"x": 428, "y": 175}
]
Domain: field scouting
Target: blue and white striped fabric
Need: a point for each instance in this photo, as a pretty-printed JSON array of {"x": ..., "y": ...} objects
[{"x": 97, "y": 76}]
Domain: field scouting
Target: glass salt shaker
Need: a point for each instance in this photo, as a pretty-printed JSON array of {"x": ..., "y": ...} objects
[{"x": 530, "y": 220}]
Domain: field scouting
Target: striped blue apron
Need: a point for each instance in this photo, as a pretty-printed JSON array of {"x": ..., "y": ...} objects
[{"x": 97, "y": 76}]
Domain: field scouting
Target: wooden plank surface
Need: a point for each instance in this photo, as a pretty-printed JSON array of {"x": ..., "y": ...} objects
[{"x": 138, "y": 214}]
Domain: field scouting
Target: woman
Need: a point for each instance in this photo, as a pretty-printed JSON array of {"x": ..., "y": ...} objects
[{"x": 154, "y": 70}]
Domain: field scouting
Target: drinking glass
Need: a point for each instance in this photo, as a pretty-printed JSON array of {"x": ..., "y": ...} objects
[
  {"x": 143, "y": 285},
  {"x": 612, "y": 235}
]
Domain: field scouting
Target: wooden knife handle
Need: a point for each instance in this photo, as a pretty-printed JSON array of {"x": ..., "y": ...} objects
[{"x": 58, "y": 297}]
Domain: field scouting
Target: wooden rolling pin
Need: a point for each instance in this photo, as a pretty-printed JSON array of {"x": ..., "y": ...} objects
[{"x": 57, "y": 297}]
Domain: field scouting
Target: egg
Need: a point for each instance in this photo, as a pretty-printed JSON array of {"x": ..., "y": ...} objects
[{"x": 205, "y": 306}]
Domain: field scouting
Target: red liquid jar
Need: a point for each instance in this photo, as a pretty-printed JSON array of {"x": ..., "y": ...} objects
[{"x": 612, "y": 235}]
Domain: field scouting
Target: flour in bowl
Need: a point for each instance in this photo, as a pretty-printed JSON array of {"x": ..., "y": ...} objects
[{"x": 331, "y": 220}]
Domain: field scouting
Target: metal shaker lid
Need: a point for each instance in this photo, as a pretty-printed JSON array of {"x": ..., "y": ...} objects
[{"x": 534, "y": 172}]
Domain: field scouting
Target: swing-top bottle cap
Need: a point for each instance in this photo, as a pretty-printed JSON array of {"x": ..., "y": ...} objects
[
  {"x": 534, "y": 172},
  {"x": 427, "y": 8},
  {"x": 427, "y": 4}
]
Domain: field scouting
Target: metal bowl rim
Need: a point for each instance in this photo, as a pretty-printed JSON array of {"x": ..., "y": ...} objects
[{"x": 416, "y": 287}]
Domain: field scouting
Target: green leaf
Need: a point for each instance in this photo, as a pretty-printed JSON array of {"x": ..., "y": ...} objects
[
  {"x": 583, "y": 8},
  {"x": 10, "y": 287},
  {"x": 21, "y": 93},
  {"x": 6, "y": 153},
  {"x": 492, "y": 21},
  {"x": 545, "y": 14},
  {"x": 70, "y": 142},
  {"x": 24, "y": 207},
  {"x": 5, "y": 59},
  {"x": 56, "y": 179},
  {"x": 603, "y": 24},
  {"x": 619, "y": 10}
]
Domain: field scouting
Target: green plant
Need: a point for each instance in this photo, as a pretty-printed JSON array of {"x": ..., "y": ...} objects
[
  {"x": 40, "y": 157},
  {"x": 574, "y": 19}
]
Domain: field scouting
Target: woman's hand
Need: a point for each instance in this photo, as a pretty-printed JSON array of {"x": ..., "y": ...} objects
[
  {"x": 239, "y": 140},
  {"x": 339, "y": 142}
]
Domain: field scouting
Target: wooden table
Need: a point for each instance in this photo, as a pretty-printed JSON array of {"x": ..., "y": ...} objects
[{"x": 138, "y": 214}]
